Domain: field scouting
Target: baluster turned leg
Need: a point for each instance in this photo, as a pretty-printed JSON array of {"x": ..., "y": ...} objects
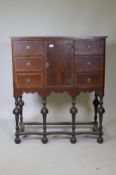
[
  {"x": 96, "y": 104},
  {"x": 21, "y": 104},
  {"x": 73, "y": 111},
  {"x": 16, "y": 112},
  {"x": 44, "y": 112},
  {"x": 101, "y": 111}
]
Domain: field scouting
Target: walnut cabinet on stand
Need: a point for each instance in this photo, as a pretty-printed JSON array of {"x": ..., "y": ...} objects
[{"x": 59, "y": 64}]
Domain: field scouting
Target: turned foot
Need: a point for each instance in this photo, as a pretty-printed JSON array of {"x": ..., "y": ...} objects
[
  {"x": 17, "y": 140},
  {"x": 73, "y": 111},
  {"x": 44, "y": 140},
  {"x": 44, "y": 112},
  {"x": 101, "y": 111},
  {"x": 96, "y": 104},
  {"x": 100, "y": 140},
  {"x": 73, "y": 140},
  {"x": 16, "y": 112},
  {"x": 21, "y": 104}
]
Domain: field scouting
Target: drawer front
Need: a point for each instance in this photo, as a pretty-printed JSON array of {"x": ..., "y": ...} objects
[
  {"x": 89, "y": 64},
  {"x": 26, "y": 80},
  {"x": 27, "y": 48},
  {"x": 27, "y": 64},
  {"x": 89, "y": 80},
  {"x": 89, "y": 46}
]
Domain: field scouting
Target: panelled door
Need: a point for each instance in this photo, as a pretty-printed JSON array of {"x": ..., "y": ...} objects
[{"x": 59, "y": 63}]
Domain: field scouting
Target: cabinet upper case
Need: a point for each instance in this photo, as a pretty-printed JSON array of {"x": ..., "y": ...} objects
[{"x": 46, "y": 64}]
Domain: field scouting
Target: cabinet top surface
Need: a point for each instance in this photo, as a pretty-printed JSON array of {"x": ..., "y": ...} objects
[{"x": 56, "y": 37}]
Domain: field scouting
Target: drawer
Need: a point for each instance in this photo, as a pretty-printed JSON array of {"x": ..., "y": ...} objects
[
  {"x": 89, "y": 80},
  {"x": 27, "y": 48},
  {"x": 27, "y": 64},
  {"x": 26, "y": 80},
  {"x": 89, "y": 46},
  {"x": 89, "y": 63}
]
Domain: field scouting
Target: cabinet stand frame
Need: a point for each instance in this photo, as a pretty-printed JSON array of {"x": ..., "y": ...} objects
[{"x": 95, "y": 124}]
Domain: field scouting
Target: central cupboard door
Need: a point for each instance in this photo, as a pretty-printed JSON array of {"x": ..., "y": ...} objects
[{"x": 59, "y": 63}]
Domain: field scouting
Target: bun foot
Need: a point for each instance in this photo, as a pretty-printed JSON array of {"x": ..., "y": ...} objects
[
  {"x": 44, "y": 140},
  {"x": 73, "y": 140},
  {"x": 100, "y": 140},
  {"x": 17, "y": 140}
]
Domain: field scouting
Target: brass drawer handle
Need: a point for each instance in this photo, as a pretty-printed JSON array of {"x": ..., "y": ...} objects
[
  {"x": 28, "y": 80},
  {"x": 28, "y": 47},
  {"x": 88, "y": 80},
  {"x": 47, "y": 64},
  {"x": 89, "y": 63},
  {"x": 28, "y": 64},
  {"x": 89, "y": 46}
]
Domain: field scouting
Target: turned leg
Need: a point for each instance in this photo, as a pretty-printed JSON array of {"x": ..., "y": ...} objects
[
  {"x": 96, "y": 104},
  {"x": 101, "y": 111},
  {"x": 73, "y": 111},
  {"x": 21, "y": 104},
  {"x": 44, "y": 112},
  {"x": 16, "y": 112}
]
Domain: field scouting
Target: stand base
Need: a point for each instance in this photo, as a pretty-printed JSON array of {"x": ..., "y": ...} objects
[{"x": 73, "y": 139}]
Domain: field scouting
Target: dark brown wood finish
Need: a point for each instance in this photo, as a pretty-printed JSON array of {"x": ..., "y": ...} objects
[{"x": 58, "y": 64}]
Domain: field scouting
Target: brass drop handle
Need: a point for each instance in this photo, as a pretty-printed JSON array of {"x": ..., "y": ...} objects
[
  {"x": 28, "y": 63},
  {"x": 89, "y": 63},
  {"x": 88, "y": 80},
  {"x": 28, "y": 80},
  {"x": 28, "y": 48},
  {"x": 89, "y": 46},
  {"x": 47, "y": 64}
]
